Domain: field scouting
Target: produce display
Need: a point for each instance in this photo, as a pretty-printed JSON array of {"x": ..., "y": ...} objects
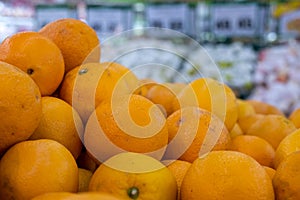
[
  {"x": 235, "y": 62},
  {"x": 277, "y": 76},
  {"x": 232, "y": 64},
  {"x": 111, "y": 131}
]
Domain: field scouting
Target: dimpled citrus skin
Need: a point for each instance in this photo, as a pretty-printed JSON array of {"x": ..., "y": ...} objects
[
  {"x": 31, "y": 168},
  {"x": 104, "y": 136},
  {"x": 60, "y": 122},
  {"x": 20, "y": 106},
  {"x": 226, "y": 175},
  {"x": 288, "y": 145},
  {"x": 37, "y": 56},
  {"x": 210, "y": 95},
  {"x": 256, "y": 147},
  {"x": 193, "y": 131},
  {"x": 179, "y": 169},
  {"x": 122, "y": 172},
  {"x": 77, "y": 41},
  {"x": 287, "y": 178},
  {"x": 86, "y": 86},
  {"x": 272, "y": 128}
]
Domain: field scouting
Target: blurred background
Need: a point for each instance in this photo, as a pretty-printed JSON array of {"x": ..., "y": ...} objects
[{"x": 253, "y": 43}]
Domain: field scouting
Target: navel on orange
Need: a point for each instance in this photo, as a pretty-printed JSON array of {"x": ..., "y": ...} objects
[
  {"x": 86, "y": 86},
  {"x": 134, "y": 176},
  {"x": 37, "y": 56}
]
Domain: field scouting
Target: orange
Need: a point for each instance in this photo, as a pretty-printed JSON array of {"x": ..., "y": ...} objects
[
  {"x": 134, "y": 176},
  {"x": 179, "y": 168},
  {"x": 194, "y": 131},
  {"x": 288, "y": 145},
  {"x": 88, "y": 85},
  {"x": 295, "y": 117},
  {"x": 272, "y": 128},
  {"x": 54, "y": 196},
  {"x": 270, "y": 171},
  {"x": 264, "y": 108},
  {"x": 287, "y": 178},
  {"x": 77, "y": 41},
  {"x": 76, "y": 196},
  {"x": 84, "y": 179},
  {"x": 60, "y": 122},
  {"x": 93, "y": 196},
  {"x": 177, "y": 87},
  {"x": 210, "y": 95},
  {"x": 162, "y": 109},
  {"x": 20, "y": 104},
  {"x": 235, "y": 131},
  {"x": 244, "y": 108},
  {"x": 144, "y": 86},
  {"x": 256, "y": 147},
  {"x": 246, "y": 122},
  {"x": 226, "y": 175},
  {"x": 86, "y": 161},
  {"x": 165, "y": 94},
  {"x": 36, "y": 55},
  {"x": 31, "y": 168},
  {"x": 129, "y": 123}
]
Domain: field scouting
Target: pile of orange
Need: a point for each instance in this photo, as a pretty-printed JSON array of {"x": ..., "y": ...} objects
[{"x": 73, "y": 127}]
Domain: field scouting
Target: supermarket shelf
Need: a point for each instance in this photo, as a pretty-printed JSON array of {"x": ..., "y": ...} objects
[{"x": 18, "y": 21}]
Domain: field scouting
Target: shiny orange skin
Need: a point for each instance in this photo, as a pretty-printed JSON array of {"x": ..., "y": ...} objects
[
  {"x": 21, "y": 107},
  {"x": 37, "y": 56},
  {"x": 287, "y": 178},
  {"x": 77, "y": 41},
  {"x": 256, "y": 147},
  {"x": 42, "y": 166},
  {"x": 193, "y": 132},
  {"x": 226, "y": 175}
]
